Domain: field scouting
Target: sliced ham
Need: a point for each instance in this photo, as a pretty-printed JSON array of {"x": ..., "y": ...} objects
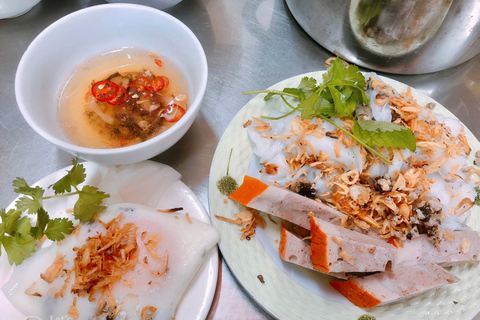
[
  {"x": 295, "y": 250},
  {"x": 464, "y": 247},
  {"x": 294, "y": 208},
  {"x": 282, "y": 203},
  {"x": 385, "y": 287},
  {"x": 336, "y": 249}
]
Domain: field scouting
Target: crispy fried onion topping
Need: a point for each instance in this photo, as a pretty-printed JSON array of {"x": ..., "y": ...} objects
[
  {"x": 249, "y": 218},
  {"x": 397, "y": 207},
  {"x": 105, "y": 259}
]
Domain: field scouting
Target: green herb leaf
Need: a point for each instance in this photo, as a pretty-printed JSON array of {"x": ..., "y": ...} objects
[
  {"x": 16, "y": 251},
  {"x": 28, "y": 204},
  {"x": 42, "y": 219},
  {"x": 477, "y": 197},
  {"x": 339, "y": 73},
  {"x": 341, "y": 92},
  {"x": 20, "y": 245},
  {"x": 73, "y": 178},
  {"x": 88, "y": 203},
  {"x": 33, "y": 199},
  {"x": 20, "y": 239},
  {"x": 384, "y": 134},
  {"x": 9, "y": 219},
  {"x": 56, "y": 228}
]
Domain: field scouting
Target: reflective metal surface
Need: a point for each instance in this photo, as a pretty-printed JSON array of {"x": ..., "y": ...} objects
[
  {"x": 397, "y": 36},
  {"x": 250, "y": 44}
]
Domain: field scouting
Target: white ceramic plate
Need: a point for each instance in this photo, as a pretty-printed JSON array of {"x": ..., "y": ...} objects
[
  {"x": 198, "y": 297},
  {"x": 291, "y": 292}
]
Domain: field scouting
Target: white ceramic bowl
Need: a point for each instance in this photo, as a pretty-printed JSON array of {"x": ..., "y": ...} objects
[
  {"x": 54, "y": 54},
  {"x": 159, "y": 4}
]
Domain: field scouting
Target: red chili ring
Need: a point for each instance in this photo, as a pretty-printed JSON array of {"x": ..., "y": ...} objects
[
  {"x": 155, "y": 85},
  {"x": 116, "y": 100},
  {"x": 177, "y": 116},
  {"x": 104, "y": 93}
]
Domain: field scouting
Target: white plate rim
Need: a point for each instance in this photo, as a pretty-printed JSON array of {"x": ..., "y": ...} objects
[
  {"x": 285, "y": 299},
  {"x": 198, "y": 297}
]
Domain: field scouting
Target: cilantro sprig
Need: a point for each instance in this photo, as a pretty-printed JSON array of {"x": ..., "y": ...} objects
[
  {"x": 19, "y": 238},
  {"x": 341, "y": 91}
]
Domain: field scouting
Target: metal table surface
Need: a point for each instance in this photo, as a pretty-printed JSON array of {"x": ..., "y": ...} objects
[{"x": 250, "y": 44}]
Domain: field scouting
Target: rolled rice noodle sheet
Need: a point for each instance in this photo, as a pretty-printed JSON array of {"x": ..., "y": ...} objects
[
  {"x": 265, "y": 149},
  {"x": 187, "y": 242},
  {"x": 282, "y": 176},
  {"x": 320, "y": 187},
  {"x": 450, "y": 194},
  {"x": 378, "y": 169},
  {"x": 365, "y": 111},
  {"x": 456, "y": 127},
  {"x": 398, "y": 165},
  {"x": 121, "y": 183},
  {"x": 459, "y": 162},
  {"x": 380, "y": 113},
  {"x": 349, "y": 156}
]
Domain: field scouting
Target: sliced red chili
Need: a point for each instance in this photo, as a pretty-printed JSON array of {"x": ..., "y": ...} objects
[
  {"x": 158, "y": 62},
  {"x": 104, "y": 90},
  {"x": 166, "y": 81},
  {"x": 140, "y": 83},
  {"x": 120, "y": 97},
  {"x": 173, "y": 113},
  {"x": 156, "y": 84}
]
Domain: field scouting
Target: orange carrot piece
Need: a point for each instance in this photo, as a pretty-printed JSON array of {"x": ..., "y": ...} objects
[
  {"x": 353, "y": 292},
  {"x": 250, "y": 189},
  {"x": 319, "y": 247},
  {"x": 283, "y": 242},
  {"x": 393, "y": 243}
]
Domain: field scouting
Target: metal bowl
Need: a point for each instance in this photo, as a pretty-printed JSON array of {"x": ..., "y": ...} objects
[{"x": 395, "y": 36}]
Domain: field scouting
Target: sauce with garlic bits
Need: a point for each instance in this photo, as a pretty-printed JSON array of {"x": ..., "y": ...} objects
[{"x": 121, "y": 98}]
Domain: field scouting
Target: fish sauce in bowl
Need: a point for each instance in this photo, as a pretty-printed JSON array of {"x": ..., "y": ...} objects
[{"x": 121, "y": 98}]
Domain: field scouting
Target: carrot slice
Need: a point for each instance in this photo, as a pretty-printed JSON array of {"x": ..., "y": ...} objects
[
  {"x": 393, "y": 243},
  {"x": 319, "y": 246},
  {"x": 353, "y": 292},
  {"x": 283, "y": 242},
  {"x": 250, "y": 189}
]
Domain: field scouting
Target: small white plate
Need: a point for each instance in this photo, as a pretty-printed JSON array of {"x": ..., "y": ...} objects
[
  {"x": 198, "y": 297},
  {"x": 291, "y": 292}
]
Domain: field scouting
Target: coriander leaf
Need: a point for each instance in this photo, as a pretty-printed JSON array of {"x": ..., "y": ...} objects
[
  {"x": 74, "y": 177},
  {"x": 28, "y": 204},
  {"x": 338, "y": 72},
  {"x": 20, "y": 245},
  {"x": 22, "y": 231},
  {"x": 343, "y": 88},
  {"x": 42, "y": 220},
  {"x": 2, "y": 234},
  {"x": 9, "y": 220},
  {"x": 309, "y": 107},
  {"x": 477, "y": 197},
  {"x": 308, "y": 83},
  {"x": 88, "y": 203},
  {"x": 36, "y": 194},
  {"x": 384, "y": 134},
  {"x": 17, "y": 252},
  {"x": 56, "y": 228},
  {"x": 342, "y": 108},
  {"x": 298, "y": 92},
  {"x": 306, "y": 87}
]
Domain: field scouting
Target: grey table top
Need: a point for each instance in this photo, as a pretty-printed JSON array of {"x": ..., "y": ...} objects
[{"x": 250, "y": 44}]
